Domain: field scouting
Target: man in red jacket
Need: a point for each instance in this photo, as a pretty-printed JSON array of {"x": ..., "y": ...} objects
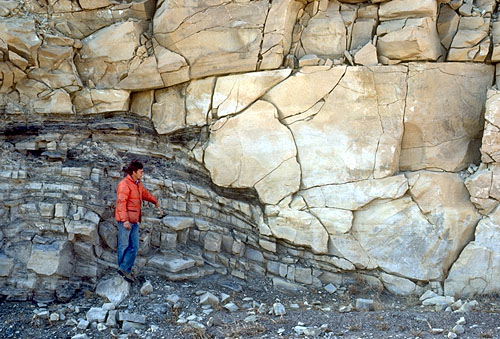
[{"x": 129, "y": 196}]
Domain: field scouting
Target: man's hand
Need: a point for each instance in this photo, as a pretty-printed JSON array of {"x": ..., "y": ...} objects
[
  {"x": 159, "y": 208},
  {"x": 127, "y": 226}
]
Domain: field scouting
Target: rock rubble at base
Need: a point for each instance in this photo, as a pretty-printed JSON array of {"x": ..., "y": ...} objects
[{"x": 193, "y": 312}]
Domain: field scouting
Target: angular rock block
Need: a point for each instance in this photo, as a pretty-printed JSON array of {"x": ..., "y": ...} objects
[
  {"x": 115, "y": 289},
  {"x": 178, "y": 223},
  {"x": 171, "y": 263},
  {"x": 55, "y": 258}
]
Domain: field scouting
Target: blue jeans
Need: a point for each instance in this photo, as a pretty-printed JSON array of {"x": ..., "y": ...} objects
[{"x": 128, "y": 246}]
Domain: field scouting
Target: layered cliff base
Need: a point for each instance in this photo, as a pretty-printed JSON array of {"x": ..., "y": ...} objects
[{"x": 309, "y": 141}]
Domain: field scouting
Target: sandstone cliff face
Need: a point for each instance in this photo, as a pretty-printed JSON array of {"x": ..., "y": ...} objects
[{"x": 312, "y": 141}]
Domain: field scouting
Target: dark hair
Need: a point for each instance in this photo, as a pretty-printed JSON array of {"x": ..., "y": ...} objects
[{"x": 133, "y": 167}]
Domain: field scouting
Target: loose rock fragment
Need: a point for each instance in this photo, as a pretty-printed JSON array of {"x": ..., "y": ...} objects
[{"x": 279, "y": 309}]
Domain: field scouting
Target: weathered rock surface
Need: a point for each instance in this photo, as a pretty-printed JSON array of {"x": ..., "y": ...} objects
[
  {"x": 441, "y": 134},
  {"x": 352, "y": 156},
  {"x": 475, "y": 270},
  {"x": 51, "y": 259},
  {"x": 105, "y": 55},
  {"x": 270, "y": 151},
  {"x": 212, "y": 46},
  {"x": 301, "y": 228},
  {"x": 355, "y": 195},
  {"x": 234, "y": 93},
  {"x": 325, "y": 33},
  {"x": 428, "y": 223},
  {"x": 471, "y": 41},
  {"x": 408, "y": 39},
  {"x": 490, "y": 149},
  {"x": 258, "y": 131}
]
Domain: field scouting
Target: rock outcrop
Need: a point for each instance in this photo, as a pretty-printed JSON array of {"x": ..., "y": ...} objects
[{"x": 307, "y": 141}]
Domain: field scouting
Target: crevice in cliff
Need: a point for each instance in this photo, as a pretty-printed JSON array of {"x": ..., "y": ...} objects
[
  {"x": 368, "y": 178},
  {"x": 289, "y": 120},
  {"x": 405, "y": 106},
  {"x": 260, "y": 56},
  {"x": 200, "y": 12},
  {"x": 337, "y": 84},
  {"x": 460, "y": 251},
  {"x": 437, "y": 67},
  {"x": 273, "y": 170},
  {"x": 492, "y": 124},
  {"x": 227, "y": 98},
  {"x": 422, "y": 212},
  {"x": 297, "y": 156},
  {"x": 322, "y": 100},
  {"x": 381, "y": 124}
]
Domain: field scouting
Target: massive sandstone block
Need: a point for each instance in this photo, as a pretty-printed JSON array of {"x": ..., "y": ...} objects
[
  {"x": 299, "y": 228},
  {"x": 199, "y": 101},
  {"x": 442, "y": 133},
  {"x": 234, "y": 93},
  {"x": 301, "y": 91},
  {"x": 105, "y": 55},
  {"x": 325, "y": 34},
  {"x": 418, "y": 237},
  {"x": 490, "y": 148},
  {"x": 19, "y": 34},
  {"x": 447, "y": 25},
  {"x": 169, "y": 112},
  {"x": 408, "y": 39},
  {"x": 477, "y": 268},
  {"x": 80, "y": 24},
  {"x": 355, "y": 195},
  {"x": 101, "y": 100},
  {"x": 471, "y": 42},
  {"x": 215, "y": 37},
  {"x": 396, "y": 236},
  {"x": 365, "y": 99},
  {"x": 251, "y": 147},
  {"x": 143, "y": 76},
  {"x": 278, "y": 32},
  {"x": 444, "y": 200},
  {"x": 335, "y": 220},
  {"x": 484, "y": 188},
  {"x": 173, "y": 67},
  {"x": 399, "y": 9}
]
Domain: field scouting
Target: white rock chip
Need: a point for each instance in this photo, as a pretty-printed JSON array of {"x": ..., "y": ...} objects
[
  {"x": 146, "y": 288},
  {"x": 97, "y": 314},
  {"x": 209, "y": 299},
  {"x": 231, "y": 307},
  {"x": 115, "y": 289},
  {"x": 279, "y": 309}
]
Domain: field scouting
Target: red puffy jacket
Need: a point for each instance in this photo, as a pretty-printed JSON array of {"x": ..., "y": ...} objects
[{"x": 129, "y": 197}]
